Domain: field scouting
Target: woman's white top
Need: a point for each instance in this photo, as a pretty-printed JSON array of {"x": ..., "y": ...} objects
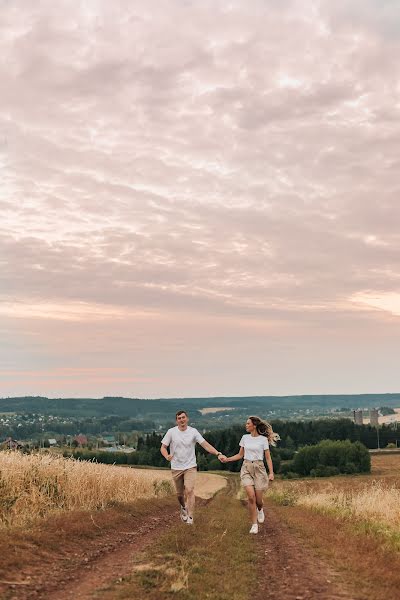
[{"x": 254, "y": 446}]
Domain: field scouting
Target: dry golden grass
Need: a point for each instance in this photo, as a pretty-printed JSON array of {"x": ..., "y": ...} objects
[
  {"x": 374, "y": 498},
  {"x": 34, "y": 486},
  {"x": 373, "y": 501},
  {"x": 385, "y": 464}
]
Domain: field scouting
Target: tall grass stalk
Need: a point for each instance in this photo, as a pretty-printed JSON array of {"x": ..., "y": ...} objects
[{"x": 34, "y": 486}]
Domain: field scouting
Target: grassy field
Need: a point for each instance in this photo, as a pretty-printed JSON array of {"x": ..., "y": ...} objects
[{"x": 370, "y": 500}]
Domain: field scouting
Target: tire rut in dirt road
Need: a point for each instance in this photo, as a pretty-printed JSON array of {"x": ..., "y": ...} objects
[
  {"x": 290, "y": 570},
  {"x": 114, "y": 561}
]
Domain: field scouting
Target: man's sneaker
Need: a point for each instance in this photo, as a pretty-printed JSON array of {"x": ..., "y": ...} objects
[
  {"x": 184, "y": 515},
  {"x": 189, "y": 521},
  {"x": 254, "y": 528},
  {"x": 260, "y": 515}
]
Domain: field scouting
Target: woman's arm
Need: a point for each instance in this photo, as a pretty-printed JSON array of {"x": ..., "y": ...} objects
[
  {"x": 237, "y": 456},
  {"x": 270, "y": 465}
]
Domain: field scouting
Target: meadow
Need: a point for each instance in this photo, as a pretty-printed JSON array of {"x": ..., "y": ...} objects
[{"x": 370, "y": 499}]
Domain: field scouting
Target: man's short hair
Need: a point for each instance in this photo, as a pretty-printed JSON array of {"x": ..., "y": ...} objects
[{"x": 181, "y": 412}]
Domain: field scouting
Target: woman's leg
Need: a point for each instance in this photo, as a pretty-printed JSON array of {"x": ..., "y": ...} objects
[
  {"x": 259, "y": 498},
  {"x": 251, "y": 499}
]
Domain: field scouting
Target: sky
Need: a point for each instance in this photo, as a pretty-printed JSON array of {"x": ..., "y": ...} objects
[{"x": 199, "y": 197}]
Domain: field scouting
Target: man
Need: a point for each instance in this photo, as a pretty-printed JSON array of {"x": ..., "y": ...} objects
[{"x": 181, "y": 441}]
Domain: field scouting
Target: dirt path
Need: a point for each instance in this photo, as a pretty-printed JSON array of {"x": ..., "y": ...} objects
[
  {"x": 110, "y": 563},
  {"x": 290, "y": 564},
  {"x": 290, "y": 570},
  {"x": 94, "y": 563}
]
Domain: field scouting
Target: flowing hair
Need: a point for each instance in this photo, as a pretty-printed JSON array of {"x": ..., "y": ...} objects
[{"x": 265, "y": 429}]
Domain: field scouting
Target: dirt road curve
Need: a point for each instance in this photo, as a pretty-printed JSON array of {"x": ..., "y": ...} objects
[{"x": 290, "y": 570}]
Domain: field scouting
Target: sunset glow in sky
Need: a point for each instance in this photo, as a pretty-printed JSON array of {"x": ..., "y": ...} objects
[{"x": 199, "y": 197}]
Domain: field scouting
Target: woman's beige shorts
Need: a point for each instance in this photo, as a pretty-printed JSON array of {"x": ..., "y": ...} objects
[
  {"x": 254, "y": 473},
  {"x": 184, "y": 480}
]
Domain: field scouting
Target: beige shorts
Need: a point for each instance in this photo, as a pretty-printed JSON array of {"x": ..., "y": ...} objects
[
  {"x": 184, "y": 480},
  {"x": 254, "y": 473}
]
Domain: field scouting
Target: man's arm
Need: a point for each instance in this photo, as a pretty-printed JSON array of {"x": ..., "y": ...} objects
[
  {"x": 165, "y": 453},
  {"x": 211, "y": 449}
]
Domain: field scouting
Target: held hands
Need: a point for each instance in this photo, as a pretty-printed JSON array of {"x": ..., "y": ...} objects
[{"x": 222, "y": 458}]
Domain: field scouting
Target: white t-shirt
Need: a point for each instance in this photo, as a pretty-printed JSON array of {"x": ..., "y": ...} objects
[
  {"x": 181, "y": 446},
  {"x": 254, "y": 446}
]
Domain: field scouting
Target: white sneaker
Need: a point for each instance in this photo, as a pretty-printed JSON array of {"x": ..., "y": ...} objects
[
  {"x": 254, "y": 528},
  {"x": 184, "y": 515},
  {"x": 189, "y": 521},
  {"x": 260, "y": 515}
]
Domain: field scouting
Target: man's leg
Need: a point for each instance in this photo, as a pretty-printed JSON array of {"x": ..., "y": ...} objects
[
  {"x": 190, "y": 480},
  {"x": 178, "y": 479}
]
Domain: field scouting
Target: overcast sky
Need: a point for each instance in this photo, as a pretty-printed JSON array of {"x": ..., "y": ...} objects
[{"x": 199, "y": 197}]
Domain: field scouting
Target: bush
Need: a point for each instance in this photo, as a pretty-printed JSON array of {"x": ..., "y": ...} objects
[
  {"x": 286, "y": 467},
  {"x": 324, "y": 471},
  {"x": 331, "y": 458},
  {"x": 350, "y": 468}
]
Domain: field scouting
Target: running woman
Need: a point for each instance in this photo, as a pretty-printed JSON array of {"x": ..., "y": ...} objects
[
  {"x": 181, "y": 441},
  {"x": 253, "y": 447}
]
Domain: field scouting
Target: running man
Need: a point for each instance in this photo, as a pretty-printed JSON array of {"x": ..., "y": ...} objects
[{"x": 181, "y": 441}]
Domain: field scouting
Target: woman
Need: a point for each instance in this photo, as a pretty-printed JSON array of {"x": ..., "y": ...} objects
[{"x": 253, "y": 447}]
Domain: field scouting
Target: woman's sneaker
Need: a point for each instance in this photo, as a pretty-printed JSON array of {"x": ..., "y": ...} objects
[
  {"x": 260, "y": 515},
  {"x": 254, "y": 528},
  {"x": 184, "y": 515},
  {"x": 189, "y": 521}
]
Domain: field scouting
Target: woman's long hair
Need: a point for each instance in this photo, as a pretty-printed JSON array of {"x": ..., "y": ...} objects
[{"x": 265, "y": 429}]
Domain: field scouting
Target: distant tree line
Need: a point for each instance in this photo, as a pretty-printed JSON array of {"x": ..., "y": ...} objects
[
  {"x": 294, "y": 437},
  {"x": 296, "y": 434}
]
